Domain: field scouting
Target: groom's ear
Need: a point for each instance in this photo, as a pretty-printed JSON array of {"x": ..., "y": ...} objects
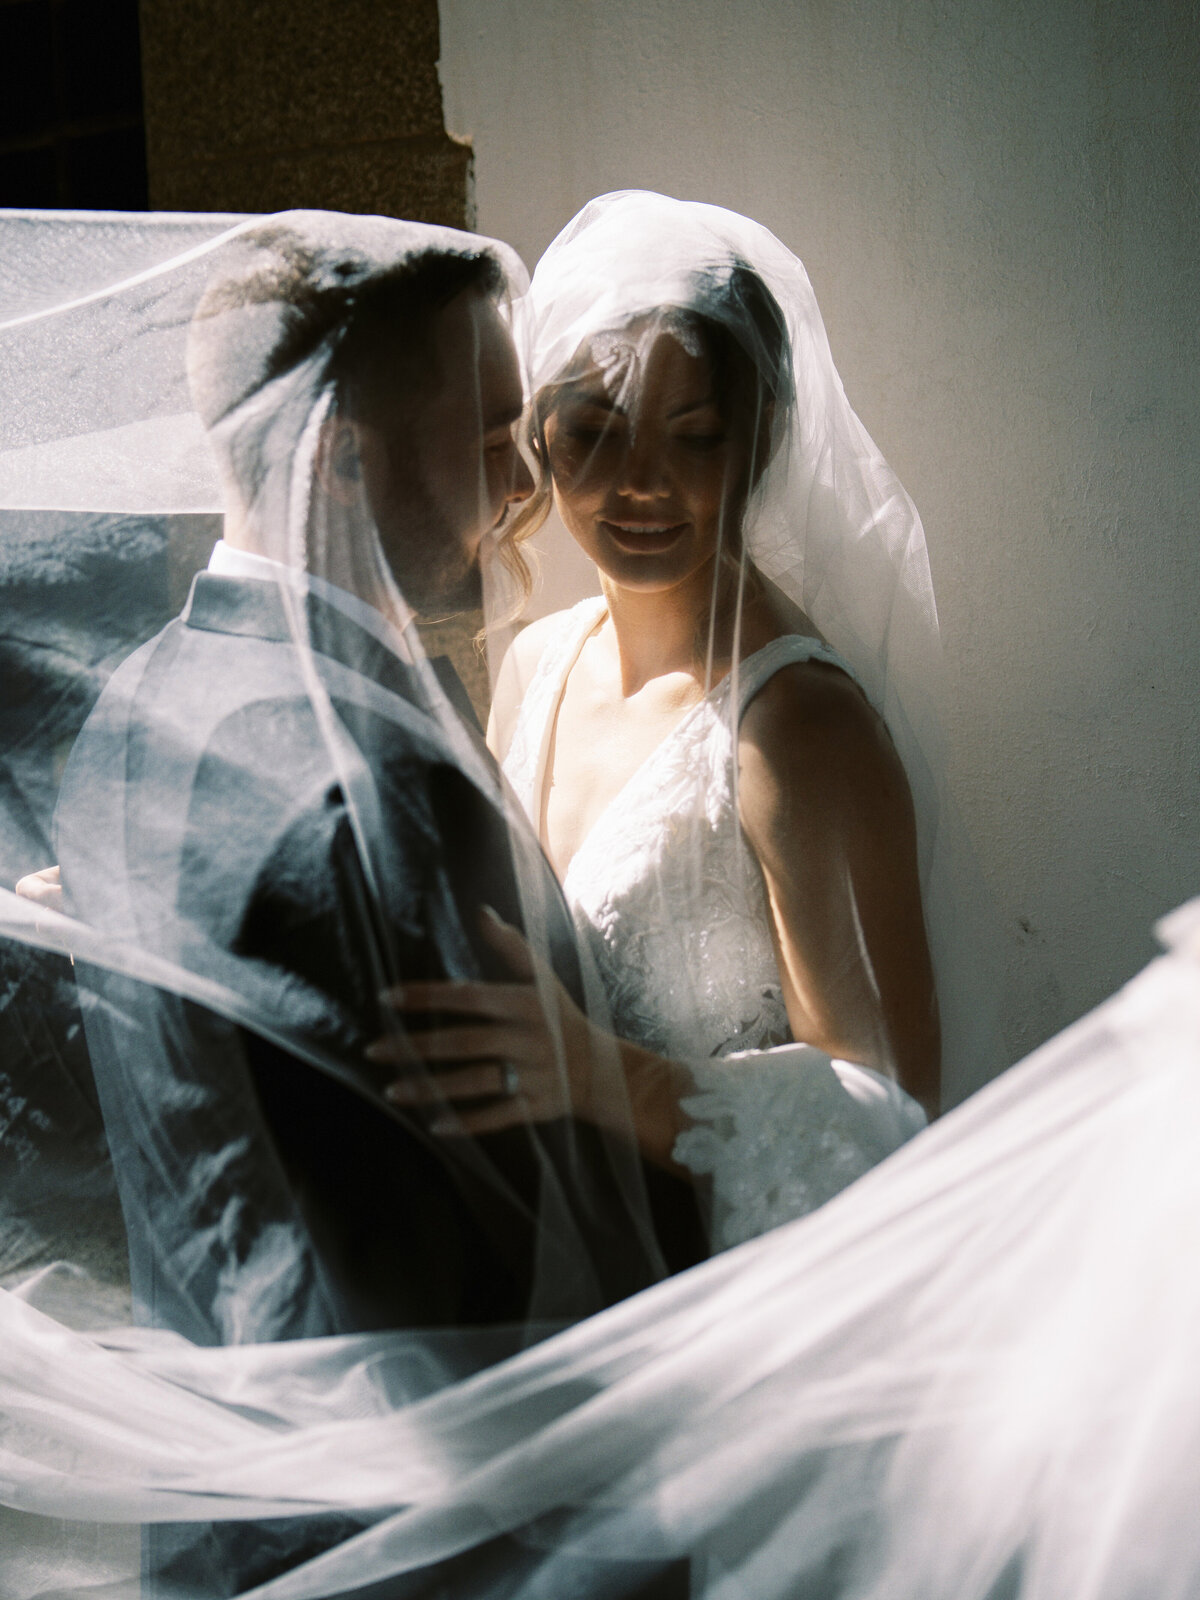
[{"x": 338, "y": 461}]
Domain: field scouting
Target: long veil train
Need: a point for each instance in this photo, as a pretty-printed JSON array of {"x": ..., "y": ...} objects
[{"x": 970, "y": 1375}]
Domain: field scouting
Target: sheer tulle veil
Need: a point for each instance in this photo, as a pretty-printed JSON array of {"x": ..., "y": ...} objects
[
  {"x": 198, "y": 369},
  {"x": 971, "y": 1375},
  {"x": 184, "y": 365}
]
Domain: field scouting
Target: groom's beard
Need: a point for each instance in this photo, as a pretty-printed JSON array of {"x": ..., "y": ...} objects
[
  {"x": 432, "y": 549},
  {"x": 435, "y": 563},
  {"x": 455, "y": 596},
  {"x": 437, "y": 589}
]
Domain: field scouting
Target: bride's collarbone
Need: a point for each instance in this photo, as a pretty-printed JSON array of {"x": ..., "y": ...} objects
[
  {"x": 604, "y": 725},
  {"x": 601, "y": 739},
  {"x": 605, "y": 731}
]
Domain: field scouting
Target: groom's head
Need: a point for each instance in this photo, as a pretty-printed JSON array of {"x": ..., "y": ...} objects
[{"x": 421, "y": 375}]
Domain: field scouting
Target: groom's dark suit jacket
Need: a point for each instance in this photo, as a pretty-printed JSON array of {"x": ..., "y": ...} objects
[{"x": 209, "y": 816}]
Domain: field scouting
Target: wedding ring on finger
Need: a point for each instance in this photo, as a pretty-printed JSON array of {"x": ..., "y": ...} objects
[{"x": 510, "y": 1079}]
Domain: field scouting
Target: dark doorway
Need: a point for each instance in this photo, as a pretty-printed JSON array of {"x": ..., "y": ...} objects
[{"x": 72, "y": 134}]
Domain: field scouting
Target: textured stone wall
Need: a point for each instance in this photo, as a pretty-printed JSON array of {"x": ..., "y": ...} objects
[{"x": 277, "y": 103}]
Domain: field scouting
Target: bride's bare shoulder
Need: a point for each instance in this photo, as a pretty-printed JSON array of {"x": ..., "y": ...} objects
[
  {"x": 811, "y": 746},
  {"x": 526, "y": 649},
  {"x": 516, "y": 672}
]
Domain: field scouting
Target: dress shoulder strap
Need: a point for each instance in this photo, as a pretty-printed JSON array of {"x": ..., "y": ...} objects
[
  {"x": 525, "y": 763},
  {"x": 751, "y": 674},
  {"x": 566, "y": 636}
]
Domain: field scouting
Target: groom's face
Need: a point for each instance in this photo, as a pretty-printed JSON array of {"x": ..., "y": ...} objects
[{"x": 440, "y": 466}]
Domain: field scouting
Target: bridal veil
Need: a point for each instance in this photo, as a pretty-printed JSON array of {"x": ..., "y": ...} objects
[
  {"x": 186, "y": 1033},
  {"x": 970, "y": 1375},
  {"x": 826, "y": 520}
]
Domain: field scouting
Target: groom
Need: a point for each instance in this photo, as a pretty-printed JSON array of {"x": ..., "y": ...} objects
[{"x": 302, "y": 823}]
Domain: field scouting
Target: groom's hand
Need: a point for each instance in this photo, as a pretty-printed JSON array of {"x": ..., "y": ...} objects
[
  {"x": 516, "y": 1052},
  {"x": 44, "y": 888}
]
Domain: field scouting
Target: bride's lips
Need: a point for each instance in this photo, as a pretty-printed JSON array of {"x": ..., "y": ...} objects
[{"x": 648, "y": 537}]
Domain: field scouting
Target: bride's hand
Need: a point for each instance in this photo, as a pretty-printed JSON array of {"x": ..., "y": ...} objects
[{"x": 509, "y": 1062}]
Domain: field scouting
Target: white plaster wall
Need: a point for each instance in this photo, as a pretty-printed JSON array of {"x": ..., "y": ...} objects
[{"x": 997, "y": 201}]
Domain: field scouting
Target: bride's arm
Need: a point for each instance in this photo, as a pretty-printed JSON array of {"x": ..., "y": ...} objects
[{"x": 826, "y": 807}]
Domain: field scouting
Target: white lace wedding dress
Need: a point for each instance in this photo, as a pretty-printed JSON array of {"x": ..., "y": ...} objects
[{"x": 669, "y": 899}]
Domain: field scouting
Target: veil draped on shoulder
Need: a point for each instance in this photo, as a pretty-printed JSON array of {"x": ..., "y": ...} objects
[{"x": 969, "y": 1376}]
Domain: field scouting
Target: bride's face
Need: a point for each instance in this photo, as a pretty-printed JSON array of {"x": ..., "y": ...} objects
[{"x": 648, "y": 477}]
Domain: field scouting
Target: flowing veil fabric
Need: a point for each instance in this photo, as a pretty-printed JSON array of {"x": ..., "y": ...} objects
[
  {"x": 266, "y": 811},
  {"x": 94, "y": 565},
  {"x": 970, "y": 1375}
]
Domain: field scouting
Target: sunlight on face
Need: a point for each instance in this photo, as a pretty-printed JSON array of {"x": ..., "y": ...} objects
[{"x": 647, "y": 475}]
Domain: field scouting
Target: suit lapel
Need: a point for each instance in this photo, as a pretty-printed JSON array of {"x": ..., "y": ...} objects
[{"x": 254, "y": 608}]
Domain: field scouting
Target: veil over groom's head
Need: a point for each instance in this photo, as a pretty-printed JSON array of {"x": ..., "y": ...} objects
[{"x": 373, "y": 354}]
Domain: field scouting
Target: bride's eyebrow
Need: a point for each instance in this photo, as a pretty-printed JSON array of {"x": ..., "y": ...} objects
[{"x": 603, "y": 401}]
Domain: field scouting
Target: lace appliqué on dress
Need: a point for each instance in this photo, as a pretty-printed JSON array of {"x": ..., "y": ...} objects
[
  {"x": 669, "y": 900},
  {"x": 779, "y": 1132}
]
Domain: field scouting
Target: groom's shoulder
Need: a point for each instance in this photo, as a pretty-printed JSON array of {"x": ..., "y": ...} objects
[
  {"x": 219, "y": 701},
  {"x": 183, "y": 698},
  {"x": 230, "y": 647},
  {"x": 209, "y": 671}
]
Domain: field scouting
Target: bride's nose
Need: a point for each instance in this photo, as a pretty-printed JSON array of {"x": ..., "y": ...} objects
[{"x": 643, "y": 469}]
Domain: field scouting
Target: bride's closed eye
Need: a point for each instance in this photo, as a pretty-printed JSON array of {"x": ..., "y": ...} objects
[
  {"x": 698, "y": 426},
  {"x": 589, "y": 422},
  {"x": 702, "y": 443}
]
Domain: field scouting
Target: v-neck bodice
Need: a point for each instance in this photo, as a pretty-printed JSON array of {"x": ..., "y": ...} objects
[{"x": 665, "y": 889}]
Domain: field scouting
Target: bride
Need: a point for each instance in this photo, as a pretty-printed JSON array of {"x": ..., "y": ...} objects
[{"x": 725, "y": 809}]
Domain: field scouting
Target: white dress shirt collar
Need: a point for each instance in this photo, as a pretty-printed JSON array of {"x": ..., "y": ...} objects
[{"x": 227, "y": 561}]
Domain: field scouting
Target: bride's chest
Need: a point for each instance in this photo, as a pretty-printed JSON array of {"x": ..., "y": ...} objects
[
  {"x": 669, "y": 898},
  {"x": 599, "y": 745},
  {"x": 668, "y": 829}
]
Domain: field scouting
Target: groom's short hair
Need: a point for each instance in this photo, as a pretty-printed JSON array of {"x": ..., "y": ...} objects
[{"x": 280, "y": 295}]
